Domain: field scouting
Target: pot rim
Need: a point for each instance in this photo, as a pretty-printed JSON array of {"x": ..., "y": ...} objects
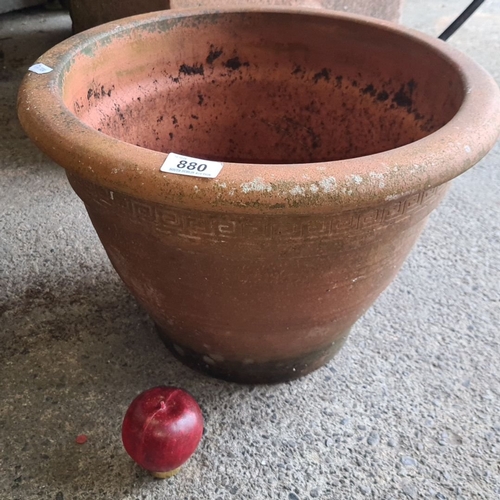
[{"x": 259, "y": 188}]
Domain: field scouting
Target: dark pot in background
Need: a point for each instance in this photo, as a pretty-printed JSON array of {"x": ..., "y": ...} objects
[
  {"x": 86, "y": 14},
  {"x": 338, "y": 134}
]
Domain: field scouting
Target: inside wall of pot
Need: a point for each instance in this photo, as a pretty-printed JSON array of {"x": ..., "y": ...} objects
[{"x": 275, "y": 88}]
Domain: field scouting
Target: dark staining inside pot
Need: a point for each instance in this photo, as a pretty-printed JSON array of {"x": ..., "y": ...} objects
[{"x": 264, "y": 88}]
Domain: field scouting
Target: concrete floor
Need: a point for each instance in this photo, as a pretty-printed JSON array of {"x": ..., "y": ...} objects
[{"x": 410, "y": 408}]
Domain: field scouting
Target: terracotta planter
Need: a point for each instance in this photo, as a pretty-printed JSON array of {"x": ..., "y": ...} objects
[
  {"x": 338, "y": 135},
  {"x": 89, "y": 13}
]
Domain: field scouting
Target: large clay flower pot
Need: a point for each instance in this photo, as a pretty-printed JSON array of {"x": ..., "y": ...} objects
[{"x": 338, "y": 135}]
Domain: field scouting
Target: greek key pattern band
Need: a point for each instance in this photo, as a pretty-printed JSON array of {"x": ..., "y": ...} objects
[{"x": 189, "y": 225}]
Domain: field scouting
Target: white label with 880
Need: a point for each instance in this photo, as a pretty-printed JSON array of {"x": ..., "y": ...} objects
[{"x": 185, "y": 165}]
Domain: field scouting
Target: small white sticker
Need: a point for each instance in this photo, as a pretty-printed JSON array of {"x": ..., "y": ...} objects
[
  {"x": 40, "y": 68},
  {"x": 185, "y": 165}
]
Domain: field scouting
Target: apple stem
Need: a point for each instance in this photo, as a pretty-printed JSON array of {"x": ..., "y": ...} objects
[{"x": 165, "y": 475}]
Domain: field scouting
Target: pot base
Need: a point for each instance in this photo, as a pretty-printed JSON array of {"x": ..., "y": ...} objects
[{"x": 269, "y": 372}]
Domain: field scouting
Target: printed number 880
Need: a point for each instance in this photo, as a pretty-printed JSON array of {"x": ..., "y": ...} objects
[{"x": 192, "y": 166}]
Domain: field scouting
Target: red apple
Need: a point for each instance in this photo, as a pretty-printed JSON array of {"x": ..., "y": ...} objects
[{"x": 162, "y": 429}]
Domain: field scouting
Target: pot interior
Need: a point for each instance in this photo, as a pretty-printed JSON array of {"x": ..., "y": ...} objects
[{"x": 268, "y": 87}]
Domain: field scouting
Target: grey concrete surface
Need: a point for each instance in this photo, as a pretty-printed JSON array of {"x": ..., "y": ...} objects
[
  {"x": 10, "y": 5},
  {"x": 410, "y": 408}
]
